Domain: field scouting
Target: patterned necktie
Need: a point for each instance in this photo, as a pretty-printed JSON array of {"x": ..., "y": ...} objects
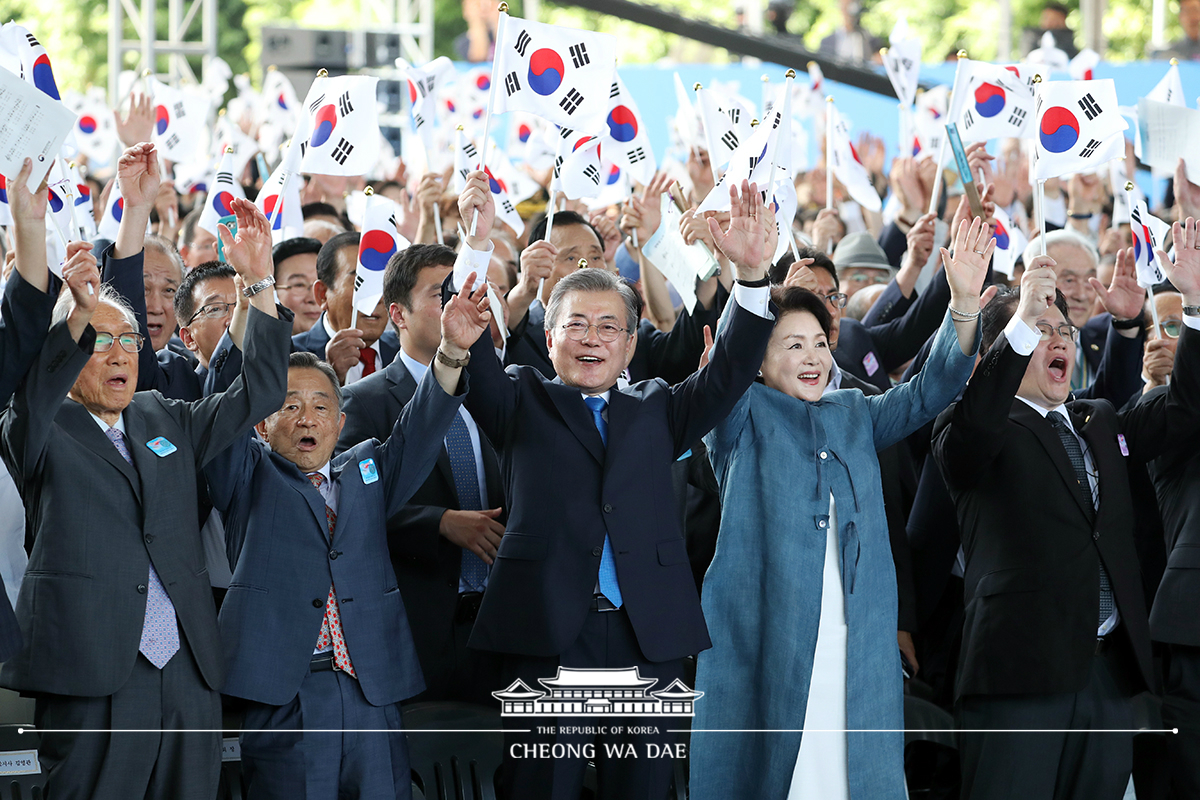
[
  {"x": 367, "y": 356},
  {"x": 609, "y": 587},
  {"x": 331, "y": 625},
  {"x": 473, "y": 569},
  {"x": 1075, "y": 454},
  {"x": 160, "y": 627}
]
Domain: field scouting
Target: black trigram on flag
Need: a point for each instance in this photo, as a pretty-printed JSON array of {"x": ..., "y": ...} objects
[
  {"x": 754, "y": 161},
  {"x": 32, "y": 41},
  {"x": 470, "y": 150},
  {"x": 1018, "y": 116},
  {"x": 735, "y": 114},
  {"x": 359, "y": 279},
  {"x": 315, "y": 104},
  {"x": 571, "y": 102},
  {"x": 968, "y": 119},
  {"x": 392, "y": 221},
  {"x": 342, "y": 151},
  {"x": 565, "y": 133},
  {"x": 1090, "y": 107},
  {"x": 522, "y": 44},
  {"x": 1090, "y": 149},
  {"x": 344, "y": 106},
  {"x": 614, "y": 91},
  {"x": 730, "y": 140},
  {"x": 579, "y": 56},
  {"x": 178, "y": 109},
  {"x": 418, "y": 121},
  {"x": 635, "y": 155},
  {"x": 592, "y": 174},
  {"x": 464, "y": 172},
  {"x": 224, "y": 177},
  {"x": 507, "y": 206},
  {"x": 421, "y": 87},
  {"x": 173, "y": 142},
  {"x": 778, "y": 119},
  {"x": 906, "y": 63},
  {"x": 557, "y": 163},
  {"x": 511, "y": 83}
]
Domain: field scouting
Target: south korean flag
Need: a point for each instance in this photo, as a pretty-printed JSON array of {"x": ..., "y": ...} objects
[
  {"x": 561, "y": 74},
  {"x": 1078, "y": 127},
  {"x": 343, "y": 126},
  {"x": 466, "y": 160},
  {"x": 379, "y": 242},
  {"x": 577, "y": 169},
  {"x": 625, "y": 140},
  {"x": 752, "y": 161},
  {"x": 995, "y": 102},
  {"x": 424, "y": 84},
  {"x": 726, "y": 125},
  {"x": 219, "y": 202},
  {"x": 1149, "y": 233},
  {"x": 180, "y": 122},
  {"x": 1010, "y": 243}
]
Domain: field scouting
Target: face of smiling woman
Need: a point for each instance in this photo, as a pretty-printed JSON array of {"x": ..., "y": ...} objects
[{"x": 798, "y": 358}]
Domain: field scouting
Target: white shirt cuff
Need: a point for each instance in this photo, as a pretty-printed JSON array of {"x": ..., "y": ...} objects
[
  {"x": 753, "y": 298},
  {"x": 1191, "y": 322},
  {"x": 1021, "y": 338},
  {"x": 469, "y": 261}
]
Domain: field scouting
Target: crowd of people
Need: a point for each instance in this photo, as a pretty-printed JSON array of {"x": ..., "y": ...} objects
[{"x": 876, "y": 466}]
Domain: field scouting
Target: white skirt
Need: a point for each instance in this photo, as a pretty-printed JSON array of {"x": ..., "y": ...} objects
[{"x": 820, "y": 772}]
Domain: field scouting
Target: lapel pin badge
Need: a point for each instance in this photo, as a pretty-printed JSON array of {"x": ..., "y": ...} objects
[
  {"x": 161, "y": 447},
  {"x": 366, "y": 468}
]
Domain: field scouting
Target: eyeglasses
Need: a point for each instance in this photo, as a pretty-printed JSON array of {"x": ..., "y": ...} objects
[
  {"x": 1066, "y": 331},
  {"x": 866, "y": 277},
  {"x": 212, "y": 311},
  {"x": 1171, "y": 328},
  {"x": 299, "y": 286},
  {"x": 130, "y": 342},
  {"x": 837, "y": 299},
  {"x": 607, "y": 331}
]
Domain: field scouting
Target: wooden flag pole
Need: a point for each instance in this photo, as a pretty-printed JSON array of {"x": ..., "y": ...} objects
[{"x": 487, "y": 117}]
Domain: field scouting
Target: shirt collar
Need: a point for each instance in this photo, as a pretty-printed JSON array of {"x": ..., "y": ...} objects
[
  {"x": 415, "y": 368},
  {"x": 1061, "y": 409},
  {"x": 324, "y": 470},
  {"x": 603, "y": 396},
  {"x": 835, "y": 380},
  {"x": 104, "y": 426}
]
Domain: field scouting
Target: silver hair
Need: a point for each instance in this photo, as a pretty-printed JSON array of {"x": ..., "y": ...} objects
[
  {"x": 164, "y": 246},
  {"x": 1061, "y": 237},
  {"x": 108, "y": 296},
  {"x": 592, "y": 280},
  {"x": 306, "y": 360}
]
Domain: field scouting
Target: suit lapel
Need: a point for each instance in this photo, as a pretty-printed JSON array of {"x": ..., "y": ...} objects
[
  {"x": 570, "y": 405},
  {"x": 403, "y": 386},
  {"x": 300, "y": 482},
  {"x": 144, "y": 459},
  {"x": 1104, "y": 457},
  {"x": 621, "y": 409},
  {"x": 1041, "y": 428},
  {"x": 85, "y": 430}
]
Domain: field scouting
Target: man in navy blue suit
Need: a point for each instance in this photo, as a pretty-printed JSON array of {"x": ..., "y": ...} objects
[
  {"x": 313, "y": 626},
  {"x": 592, "y": 571}
]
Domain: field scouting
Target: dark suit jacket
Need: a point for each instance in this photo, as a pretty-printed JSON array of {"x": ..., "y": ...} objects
[
  {"x": 283, "y": 561},
  {"x": 97, "y": 523},
  {"x": 565, "y": 491},
  {"x": 315, "y": 339},
  {"x": 1032, "y": 543},
  {"x": 427, "y": 564},
  {"x": 672, "y": 355},
  {"x": 1176, "y": 476}
]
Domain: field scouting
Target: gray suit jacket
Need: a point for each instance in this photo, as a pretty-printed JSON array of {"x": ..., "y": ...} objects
[{"x": 97, "y": 523}]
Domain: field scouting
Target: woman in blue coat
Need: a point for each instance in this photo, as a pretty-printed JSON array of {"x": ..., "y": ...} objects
[{"x": 800, "y": 598}]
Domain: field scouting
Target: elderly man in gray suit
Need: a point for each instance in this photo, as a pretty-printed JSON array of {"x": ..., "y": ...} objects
[{"x": 118, "y": 620}]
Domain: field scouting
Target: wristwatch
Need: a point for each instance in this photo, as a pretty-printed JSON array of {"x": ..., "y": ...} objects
[
  {"x": 1192, "y": 311},
  {"x": 453, "y": 363},
  {"x": 255, "y": 288}
]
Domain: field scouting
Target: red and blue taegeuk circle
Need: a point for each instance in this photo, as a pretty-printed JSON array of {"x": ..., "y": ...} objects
[
  {"x": 43, "y": 76},
  {"x": 162, "y": 118},
  {"x": 85, "y": 194},
  {"x": 477, "y": 113},
  {"x": 614, "y": 175},
  {"x": 1002, "y": 237},
  {"x": 450, "y": 105},
  {"x": 118, "y": 208},
  {"x": 376, "y": 249},
  {"x": 412, "y": 92},
  {"x": 56, "y": 203},
  {"x": 281, "y": 102},
  {"x": 545, "y": 71},
  {"x": 269, "y": 208},
  {"x": 622, "y": 124},
  {"x": 324, "y": 121},
  {"x": 524, "y": 132},
  {"x": 222, "y": 203},
  {"x": 1059, "y": 130},
  {"x": 3, "y": 190},
  {"x": 87, "y": 123},
  {"x": 483, "y": 82},
  {"x": 989, "y": 99},
  {"x": 495, "y": 184}
]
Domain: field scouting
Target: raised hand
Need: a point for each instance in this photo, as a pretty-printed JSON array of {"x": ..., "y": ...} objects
[
  {"x": 609, "y": 235},
  {"x": 138, "y": 125},
  {"x": 343, "y": 351},
  {"x": 250, "y": 251},
  {"x": 920, "y": 241},
  {"x": 465, "y": 318},
  {"x": 1187, "y": 194},
  {"x": 1039, "y": 286},
  {"x": 708, "y": 346},
  {"x": 1185, "y": 273},
  {"x": 80, "y": 274},
  {"x": 967, "y": 268},
  {"x": 477, "y": 197},
  {"x": 800, "y": 274},
  {"x": 644, "y": 214},
  {"x": 26, "y": 206},
  {"x": 138, "y": 176},
  {"x": 1123, "y": 298},
  {"x": 751, "y": 227},
  {"x": 827, "y": 229}
]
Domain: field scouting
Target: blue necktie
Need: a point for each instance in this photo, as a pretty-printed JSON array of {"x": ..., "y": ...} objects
[
  {"x": 473, "y": 570},
  {"x": 609, "y": 587}
]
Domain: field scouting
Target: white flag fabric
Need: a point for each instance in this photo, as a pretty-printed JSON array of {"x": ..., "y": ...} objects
[
  {"x": 561, "y": 74},
  {"x": 625, "y": 140},
  {"x": 577, "y": 167},
  {"x": 227, "y": 135},
  {"x": 751, "y": 161},
  {"x": 1083, "y": 65},
  {"x": 1049, "y": 55},
  {"x": 1078, "y": 127},
  {"x": 784, "y": 206},
  {"x": 725, "y": 126},
  {"x": 519, "y": 185},
  {"x": 903, "y": 62},
  {"x": 1149, "y": 232},
  {"x": 342, "y": 121},
  {"x": 1169, "y": 90},
  {"x": 110, "y": 222},
  {"x": 1010, "y": 243},
  {"x": 1118, "y": 178},
  {"x": 220, "y": 196},
  {"x": 466, "y": 160},
  {"x": 685, "y": 125},
  {"x": 614, "y": 187},
  {"x": 847, "y": 167},
  {"x": 424, "y": 83},
  {"x": 34, "y": 62},
  {"x": 85, "y": 221},
  {"x": 288, "y": 222},
  {"x": 995, "y": 102},
  {"x": 95, "y": 131},
  {"x": 379, "y": 242},
  {"x": 180, "y": 122}
]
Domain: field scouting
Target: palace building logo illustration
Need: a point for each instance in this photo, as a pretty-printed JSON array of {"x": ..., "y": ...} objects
[{"x": 597, "y": 693}]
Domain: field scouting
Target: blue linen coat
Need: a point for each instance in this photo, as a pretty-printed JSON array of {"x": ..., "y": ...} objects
[{"x": 777, "y": 458}]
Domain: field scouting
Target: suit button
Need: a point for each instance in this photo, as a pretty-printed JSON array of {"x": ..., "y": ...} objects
[
  {"x": 141, "y": 589},
  {"x": 1095, "y": 536},
  {"x": 821, "y": 524},
  {"x": 333, "y": 554},
  {"x": 823, "y": 455},
  {"x": 318, "y": 603},
  {"x": 597, "y": 551},
  {"x": 607, "y": 508},
  {"x": 149, "y": 538}
]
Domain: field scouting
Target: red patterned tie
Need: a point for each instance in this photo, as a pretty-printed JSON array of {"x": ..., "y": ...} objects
[
  {"x": 367, "y": 355},
  {"x": 331, "y": 625}
]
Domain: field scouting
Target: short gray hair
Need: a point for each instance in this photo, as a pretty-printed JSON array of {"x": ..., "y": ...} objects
[
  {"x": 307, "y": 360},
  {"x": 592, "y": 280},
  {"x": 108, "y": 296},
  {"x": 163, "y": 245},
  {"x": 1061, "y": 237}
]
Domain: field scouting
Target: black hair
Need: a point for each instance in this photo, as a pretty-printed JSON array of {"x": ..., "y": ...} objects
[
  {"x": 562, "y": 218},
  {"x": 777, "y": 273},
  {"x": 404, "y": 268},
  {"x": 996, "y": 314},
  {"x": 327, "y": 256},
  {"x": 789, "y": 299},
  {"x": 185, "y": 304},
  {"x": 297, "y": 245}
]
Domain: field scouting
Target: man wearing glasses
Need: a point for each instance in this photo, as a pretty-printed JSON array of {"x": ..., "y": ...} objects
[
  {"x": 1055, "y": 634},
  {"x": 118, "y": 619},
  {"x": 204, "y": 306}
]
